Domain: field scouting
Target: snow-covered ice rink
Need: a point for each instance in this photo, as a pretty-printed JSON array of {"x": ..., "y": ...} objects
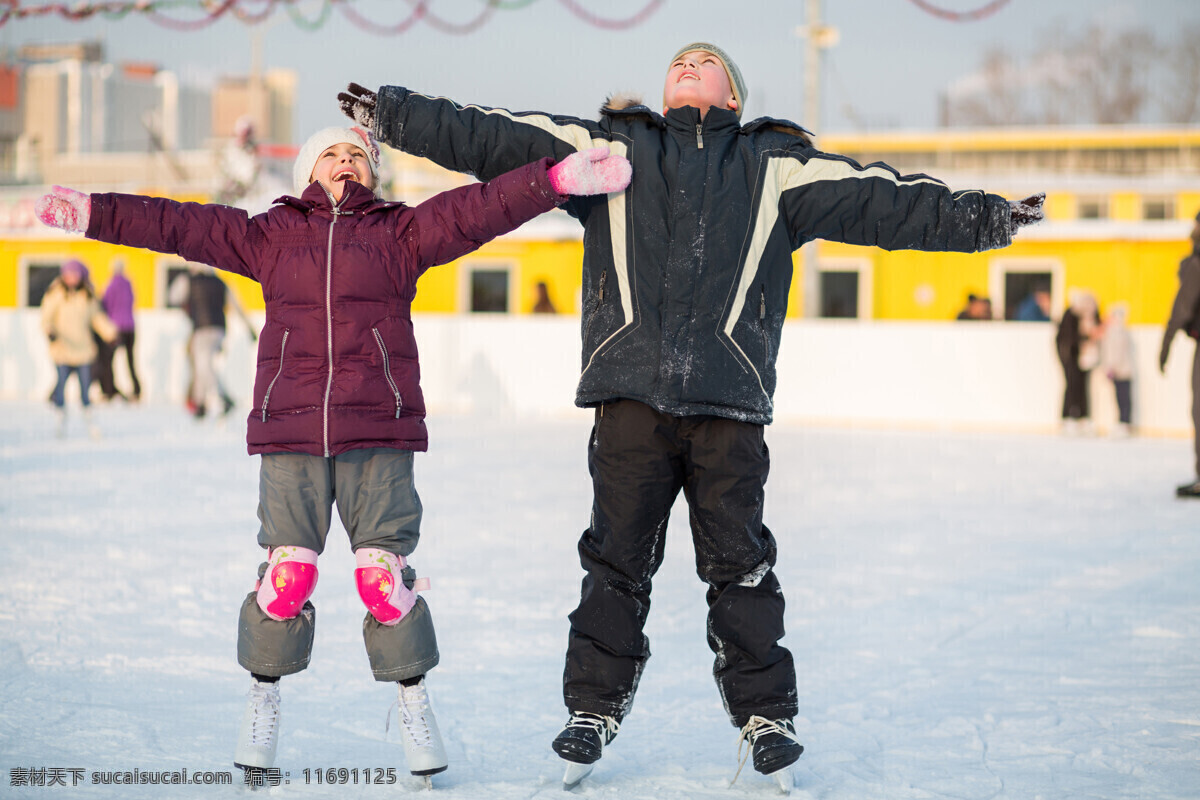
[{"x": 971, "y": 616}]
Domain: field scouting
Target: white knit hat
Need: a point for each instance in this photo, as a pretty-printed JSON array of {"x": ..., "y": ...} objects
[{"x": 324, "y": 139}]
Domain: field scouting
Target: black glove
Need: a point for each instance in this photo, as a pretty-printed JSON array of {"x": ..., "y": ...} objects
[
  {"x": 358, "y": 103},
  {"x": 53, "y": 337},
  {"x": 1027, "y": 211}
]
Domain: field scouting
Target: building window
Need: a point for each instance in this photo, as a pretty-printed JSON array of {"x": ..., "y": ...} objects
[
  {"x": 839, "y": 294},
  {"x": 1027, "y": 296},
  {"x": 1092, "y": 208},
  {"x": 38, "y": 277},
  {"x": 1158, "y": 208},
  {"x": 489, "y": 290}
]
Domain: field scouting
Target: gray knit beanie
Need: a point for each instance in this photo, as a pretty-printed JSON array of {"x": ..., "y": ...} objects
[{"x": 731, "y": 69}]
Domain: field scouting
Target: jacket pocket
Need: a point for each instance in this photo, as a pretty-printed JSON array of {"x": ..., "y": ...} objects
[
  {"x": 387, "y": 371},
  {"x": 270, "y": 386}
]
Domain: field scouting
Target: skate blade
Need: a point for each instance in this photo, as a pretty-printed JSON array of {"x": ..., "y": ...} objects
[
  {"x": 575, "y": 773},
  {"x": 783, "y": 779},
  {"x": 428, "y": 780}
]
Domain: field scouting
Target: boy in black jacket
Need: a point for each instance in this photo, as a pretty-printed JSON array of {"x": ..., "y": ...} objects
[{"x": 685, "y": 285}]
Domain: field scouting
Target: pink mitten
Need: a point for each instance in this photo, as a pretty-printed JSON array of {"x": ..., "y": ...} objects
[
  {"x": 64, "y": 208},
  {"x": 594, "y": 171}
]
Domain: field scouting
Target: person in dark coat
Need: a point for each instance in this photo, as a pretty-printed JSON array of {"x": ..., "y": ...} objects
[
  {"x": 1185, "y": 316},
  {"x": 1077, "y": 341},
  {"x": 685, "y": 285},
  {"x": 338, "y": 410},
  {"x": 203, "y": 296}
]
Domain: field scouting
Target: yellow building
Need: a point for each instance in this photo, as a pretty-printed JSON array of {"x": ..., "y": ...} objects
[{"x": 1120, "y": 204}]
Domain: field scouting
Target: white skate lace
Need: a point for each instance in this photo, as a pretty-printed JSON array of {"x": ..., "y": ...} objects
[
  {"x": 413, "y": 703},
  {"x": 264, "y": 699},
  {"x": 755, "y": 727},
  {"x": 607, "y": 727}
]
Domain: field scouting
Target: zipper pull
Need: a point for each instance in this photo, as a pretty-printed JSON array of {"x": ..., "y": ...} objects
[
  {"x": 699, "y": 138},
  {"x": 603, "y": 276},
  {"x": 762, "y": 304}
]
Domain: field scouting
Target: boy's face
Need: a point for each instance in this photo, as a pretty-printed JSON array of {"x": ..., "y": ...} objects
[
  {"x": 698, "y": 78},
  {"x": 340, "y": 163}
]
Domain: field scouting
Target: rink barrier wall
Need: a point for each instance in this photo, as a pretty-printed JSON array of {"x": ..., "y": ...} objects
[{"x": 973, "y": 376}]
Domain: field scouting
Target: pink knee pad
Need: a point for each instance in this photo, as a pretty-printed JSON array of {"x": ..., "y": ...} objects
[
  {"x": 381, "y": 586},
  {"x": 289, "y": 581}
]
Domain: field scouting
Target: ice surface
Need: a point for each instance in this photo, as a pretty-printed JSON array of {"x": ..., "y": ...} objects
[{"x": 972, "y": 616}]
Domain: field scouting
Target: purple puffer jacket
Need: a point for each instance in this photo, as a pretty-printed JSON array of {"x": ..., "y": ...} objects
[{"x": 337, "y": 360}]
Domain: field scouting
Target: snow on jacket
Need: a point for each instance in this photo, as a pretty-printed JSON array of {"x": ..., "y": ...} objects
[
  {"x": 68, "y": 318},
  {"x": 686, "y": 273},
  {"x": 337, "y": 361}
]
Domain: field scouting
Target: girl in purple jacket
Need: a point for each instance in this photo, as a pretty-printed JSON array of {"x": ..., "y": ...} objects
[{"x": 338, "y": 411}]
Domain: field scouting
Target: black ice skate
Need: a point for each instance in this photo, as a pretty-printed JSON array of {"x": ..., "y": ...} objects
[
  {"x": 774, "y": 746},
  {"x": 581, "y": 743},
  {"x": 1188, "y": 490}
]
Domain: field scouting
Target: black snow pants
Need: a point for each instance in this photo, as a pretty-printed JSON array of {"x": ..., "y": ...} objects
[{"x": 639, "y": 460}]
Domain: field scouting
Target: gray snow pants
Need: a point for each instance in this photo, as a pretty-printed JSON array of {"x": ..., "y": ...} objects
[{"x": 379, "y": 507}]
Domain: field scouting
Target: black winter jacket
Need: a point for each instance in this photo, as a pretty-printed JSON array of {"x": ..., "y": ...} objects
[{"x": 686, "y": 273}]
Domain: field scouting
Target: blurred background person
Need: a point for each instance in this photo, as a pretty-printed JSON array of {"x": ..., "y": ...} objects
[
  {"x": 1035, "y": 307},
  {"x": 204, "y": 296},
  {"x": 1079, "y": 354},
  {"x": 70, "y": 312},
  {"x": 543, "y": 304},
  {"x": 978, "y": 307},
  {"x": 1185, "y": 316},
  {"x": 1116, "y": 359},
  {"x": 117, "y": 303}
]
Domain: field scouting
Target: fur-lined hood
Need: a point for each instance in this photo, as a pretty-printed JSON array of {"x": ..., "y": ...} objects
[{"x": 625, "y": 104}]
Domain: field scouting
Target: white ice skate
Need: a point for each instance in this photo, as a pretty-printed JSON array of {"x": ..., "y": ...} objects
[
  {"x": 423, "y": 748},
  {"x": 258, "y": 736}
]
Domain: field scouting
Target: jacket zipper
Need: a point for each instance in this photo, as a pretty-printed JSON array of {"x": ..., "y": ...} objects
[
  {"x": 596, "y": 434},
  {"x": 762, "y": 320},
  {"x": 329, "y": 326},
  {"x": 267, "y": 397},
  {"x": 387, "y": 371},
  {"x": 699, "y": 138}
]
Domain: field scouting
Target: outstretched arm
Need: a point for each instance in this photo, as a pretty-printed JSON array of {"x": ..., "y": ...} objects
[
  {"x": 833, "y": 197},
  {"x": 459, "y": 221},
  {"x": 484, "y": 142},
  {"x": 209, "y": 234}
]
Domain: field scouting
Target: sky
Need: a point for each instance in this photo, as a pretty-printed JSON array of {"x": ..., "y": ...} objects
[{"x": 891, "y": 63}]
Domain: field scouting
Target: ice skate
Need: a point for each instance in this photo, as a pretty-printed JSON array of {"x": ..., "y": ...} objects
[
  {"x": 774, "y": 746},
  {"x": 423, "y": 748},
  {"x": 581, "y": 743},
  {"x": 258, "y": 736},
  {"x": 1188, "y": 489}
]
